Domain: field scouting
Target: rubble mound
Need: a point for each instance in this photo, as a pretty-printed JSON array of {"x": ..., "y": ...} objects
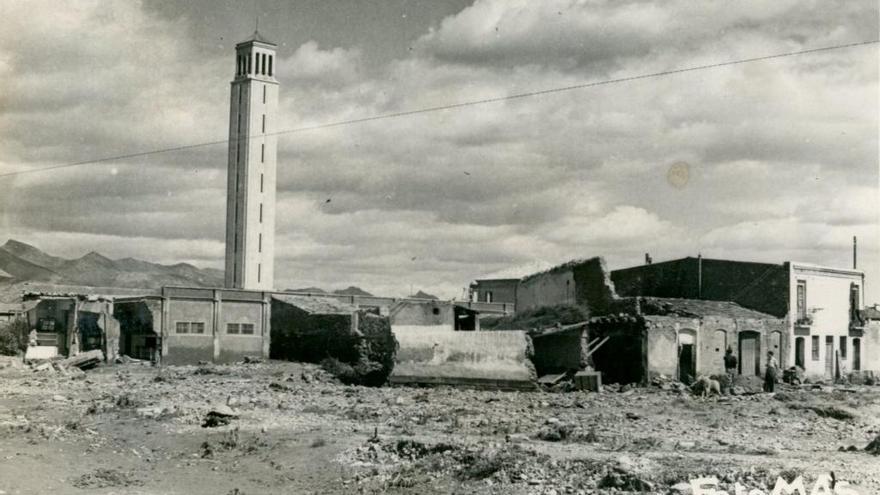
[{"x": 106, "y": 478}]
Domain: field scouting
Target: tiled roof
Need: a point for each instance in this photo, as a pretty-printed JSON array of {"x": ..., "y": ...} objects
[{"x": 697, "y": 308}]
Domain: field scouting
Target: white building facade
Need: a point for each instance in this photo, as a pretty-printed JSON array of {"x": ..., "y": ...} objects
[
  {"x": 827, "y": 335},
  {"x": 250, "y": 203}
]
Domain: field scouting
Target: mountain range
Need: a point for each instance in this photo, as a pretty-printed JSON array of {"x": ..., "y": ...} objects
[{"x": 21, "y": 263}]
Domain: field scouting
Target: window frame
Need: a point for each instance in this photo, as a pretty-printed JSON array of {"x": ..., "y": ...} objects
[{"x": 814, "y": 347}]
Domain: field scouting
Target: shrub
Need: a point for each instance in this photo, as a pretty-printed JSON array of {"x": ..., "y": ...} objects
[{"x": 13, "y": 337}]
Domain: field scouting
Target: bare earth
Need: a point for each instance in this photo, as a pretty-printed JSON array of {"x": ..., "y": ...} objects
[{"x": 135, "y": 429}]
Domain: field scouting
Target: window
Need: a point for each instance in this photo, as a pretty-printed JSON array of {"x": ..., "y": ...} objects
[
  {"x": 436, "y": 311},
  {"x": 264, "y": 93},
  {"x": 261, "y": 182},
  {"x": 854, "y": 305},
  {"x": 262, "y": 153},
  {"x": 249, "y": 63},
  {"x": 260, "y": 241},
  {"x": 261, "y": 219},
  {"x": 270, "y": 65},
  {"x": 815, "y": 349},
  {"x": 802, "y": 299},
  {"x": 258, "y": 272},
  {"x": 842, "y": 347},
  {"x": 488, "y": 296},
  {"x": 263, "y": 64},
  {"x": 194, "y": 327},
  {"x": 47, "y": 324},
  {"x": 264, "y": 122},
  {"x": 240, "y": 328}
]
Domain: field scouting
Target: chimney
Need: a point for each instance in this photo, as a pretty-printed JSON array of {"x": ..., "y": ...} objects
[
  {"x": 855, "y": 253},
  {"x": 648, "y": 259}
]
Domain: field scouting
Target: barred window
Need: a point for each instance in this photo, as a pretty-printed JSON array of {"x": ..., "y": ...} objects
[
  {"x": 232, "y": 328},
  {"x": 247, "y": 328},
  {"x": 189, "y": 327}
]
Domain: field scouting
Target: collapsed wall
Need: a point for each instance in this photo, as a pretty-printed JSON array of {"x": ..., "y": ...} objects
[
  {"x": 480, "y": 359},
  {"x": 356, "y": 345}
]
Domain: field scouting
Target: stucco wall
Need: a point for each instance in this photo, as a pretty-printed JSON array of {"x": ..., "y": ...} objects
[
  {"x": 470, "y": 355},
  {"x": 871, "y": 347},
  {"x": 546, "y": 289},
  {"x": 828, "y": 303},
  {"x": 428, "y": 313},
  {"x": 189, "y": 348},
  {"x": 236, "y": 347},
  {"x": 662, "y": 337},
  {"x": 503, "y": 290}
]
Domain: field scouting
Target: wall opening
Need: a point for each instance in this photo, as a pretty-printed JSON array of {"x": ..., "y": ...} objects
[
  {"x": 750, "y": 353},
  {"x": 687, "y": 355},
  {"x": 857, "y": 354},
  {"x": 799, "y": 352}
]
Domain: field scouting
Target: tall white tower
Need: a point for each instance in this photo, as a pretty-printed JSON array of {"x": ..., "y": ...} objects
[{"x": 250, "y": 197}]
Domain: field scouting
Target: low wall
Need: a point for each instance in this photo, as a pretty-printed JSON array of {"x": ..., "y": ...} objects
[{"x": 436, "y": 356}]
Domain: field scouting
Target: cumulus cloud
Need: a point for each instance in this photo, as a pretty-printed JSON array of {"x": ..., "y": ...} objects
[{"x": 782, "y": 155}]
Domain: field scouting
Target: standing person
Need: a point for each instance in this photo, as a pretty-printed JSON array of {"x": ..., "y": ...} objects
[
  {"x": 730, "y": 363},
  {"x": 770, "y": 372}
]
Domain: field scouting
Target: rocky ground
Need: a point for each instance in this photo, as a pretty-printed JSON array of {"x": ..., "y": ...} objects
[{"x": 288, "y": 428}]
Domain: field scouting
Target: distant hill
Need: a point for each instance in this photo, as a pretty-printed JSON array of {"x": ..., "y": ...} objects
[
  {"x": 26, "y": 263},
  {"x": 312, "y": 290},
  {"x": 423, "y": 295},
  {"x": 352, "y": 291}
]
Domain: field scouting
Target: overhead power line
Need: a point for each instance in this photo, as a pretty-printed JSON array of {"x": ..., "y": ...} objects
[{"x": 451, "y": 106}]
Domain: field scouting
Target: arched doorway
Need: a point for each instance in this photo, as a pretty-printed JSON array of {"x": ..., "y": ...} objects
[
  {"x": 687, "y": 355},
  {"x": 750, "y": 353}
]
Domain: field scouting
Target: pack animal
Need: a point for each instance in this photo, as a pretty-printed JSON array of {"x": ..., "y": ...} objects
[{"x": 704, "y": 386}]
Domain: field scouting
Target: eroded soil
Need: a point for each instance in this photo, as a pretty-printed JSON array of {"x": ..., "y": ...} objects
[{"x": 136, "y": 429}]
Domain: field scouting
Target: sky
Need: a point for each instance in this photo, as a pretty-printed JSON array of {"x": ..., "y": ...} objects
[{"x": 769, "y": 161}]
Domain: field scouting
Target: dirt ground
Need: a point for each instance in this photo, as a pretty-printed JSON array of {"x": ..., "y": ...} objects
[{"x": 136, "y": 429}]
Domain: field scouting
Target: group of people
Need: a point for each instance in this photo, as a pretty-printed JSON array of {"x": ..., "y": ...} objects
[{"x": 771, "y": 369}]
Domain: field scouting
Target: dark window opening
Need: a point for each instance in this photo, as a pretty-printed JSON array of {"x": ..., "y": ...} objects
[
  {"x": 260, "y": 242},
  {"x": 263, "y": 64},
  {"x": 436, "y": 311},
  {"x": 261, "y": 213},
  {"x": 264, "y": 93},
  {"x": 802, "y": 299},
  {"x": 258, "y": 272},
  {"x": 262, "y": 153},
  {"x": 264, "y": 123},
  {"x": 815, "y": 347},
  {"x": 270, "y": 65},
  {"x": 249, "y": 64},
  {"x": 842, "y": 347},
  {"x": 261, "y": 182}
]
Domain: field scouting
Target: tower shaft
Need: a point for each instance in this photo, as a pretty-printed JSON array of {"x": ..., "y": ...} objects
[{"x": 251, "y": 173}]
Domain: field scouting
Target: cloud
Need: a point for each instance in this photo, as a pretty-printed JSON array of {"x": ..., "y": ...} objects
[{"x": 782, "y": 155}]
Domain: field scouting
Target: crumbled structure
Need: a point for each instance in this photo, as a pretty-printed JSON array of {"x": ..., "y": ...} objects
[
  {"x": 682, "y": 338},
  {"x": 313, "y": 330},
  {"x": 646, "y": 336},
  {"x": 71, "y": 319}
]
